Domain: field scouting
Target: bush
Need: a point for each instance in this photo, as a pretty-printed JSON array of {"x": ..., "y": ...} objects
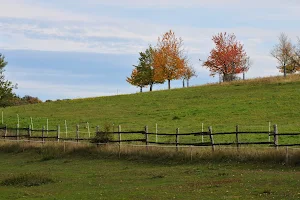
[
  {"x": 31, "y": 100},
  {"x": 104, "y": 136}
]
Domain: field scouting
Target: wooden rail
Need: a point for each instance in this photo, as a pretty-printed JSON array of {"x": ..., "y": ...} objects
[{"x": 144, "y": 137}]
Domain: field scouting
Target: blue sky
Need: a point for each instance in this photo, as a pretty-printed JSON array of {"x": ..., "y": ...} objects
[{"x": 74, "y": 48}]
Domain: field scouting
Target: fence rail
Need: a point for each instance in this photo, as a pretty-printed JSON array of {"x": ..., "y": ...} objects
[{"x": 8, "y": 132}]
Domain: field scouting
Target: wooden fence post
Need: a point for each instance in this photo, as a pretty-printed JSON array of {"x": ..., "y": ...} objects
[
  {"x": 17, "y": 132},
  {"x": 88, "y": 127},
  {"x": 5, "y": 134},
  {"x": 120, "y": 136},
  {"x": 276, "y": 136},
  {"x": 43, "y": 134},
  {"x": 77, "y": 133},
  {"x": 177, "y": 139},
  {"x": 156, "y": 131},
  {"x": 29, "y": 132},
  {"x": 58, "y": 133},
  {"x": 237, "y": 136},
  {"x": 287, "y": 155},
  {"x": 269, "y": 131},
  {"x": 146, "y": 135},
  {"x": 120, "y": 140},
  {"x": 202, "y": 136},
  {"x": 211, "y": 138}
]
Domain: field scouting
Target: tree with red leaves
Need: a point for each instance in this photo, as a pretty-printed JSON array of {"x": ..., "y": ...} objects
[{"x": 228, "y": 58}]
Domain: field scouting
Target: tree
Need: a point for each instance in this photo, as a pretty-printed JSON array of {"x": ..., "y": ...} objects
[
  {"x": 143, "y": 74},
  {"x": 294, "y": 64},
  {"x": 228, "y": 58},
  {"x": 169, "y": 61},
  {"x": 283, "y": 52},
  {"x": 136, "y": 79},
  {"x": 6, "y": 87},
  {"x": 188, "y": 73},
  {"x": 146, "y": 67}
]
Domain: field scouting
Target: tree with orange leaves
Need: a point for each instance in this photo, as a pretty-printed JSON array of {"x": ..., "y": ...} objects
[
  {"x": 169, "y": 61},
  {"x": 228, "y": 58},
  {"x": 137, "y": 79}
]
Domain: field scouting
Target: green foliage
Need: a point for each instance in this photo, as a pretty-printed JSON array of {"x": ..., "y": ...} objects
[
  {"x": 6, "y": 87},
  {"x": 104, "y": 136},
  {"x": 144, "y": 71},
  {"x": 31, "y": 100}
]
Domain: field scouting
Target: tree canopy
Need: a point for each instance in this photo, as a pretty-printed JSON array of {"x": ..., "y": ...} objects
[
  {"x": 6, "y": 87},
  {"x": 228, "y": 58},
  {"x": 143, "y": 73},
  {"x": 169, "y": 58},
  {"x": 283, "y": 52}
]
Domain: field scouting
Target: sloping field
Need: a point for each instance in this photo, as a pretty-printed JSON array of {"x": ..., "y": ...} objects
[{"x": 252, "y": 103}]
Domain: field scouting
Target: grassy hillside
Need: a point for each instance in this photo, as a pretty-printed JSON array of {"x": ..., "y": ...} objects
[{"x": 247, "y": 103}]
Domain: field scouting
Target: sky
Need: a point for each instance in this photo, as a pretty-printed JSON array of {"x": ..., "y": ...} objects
[{"x": 75, "y": 49}]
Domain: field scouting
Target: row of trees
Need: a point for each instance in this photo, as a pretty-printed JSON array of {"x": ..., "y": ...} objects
[
  {"x": 287, "y": 55},
  {"x": 7, "y": 96},
  {"x": 165, "y": 62},
  {"x": 168, "y": 61}
]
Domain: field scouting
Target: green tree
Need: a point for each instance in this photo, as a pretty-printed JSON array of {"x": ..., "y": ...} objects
[
  {"x": 6, "y": 87},
  {"x": 143, "y": 73}
]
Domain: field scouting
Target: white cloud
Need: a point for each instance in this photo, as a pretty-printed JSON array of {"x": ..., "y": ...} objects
[{"x": 22, "y": 9}]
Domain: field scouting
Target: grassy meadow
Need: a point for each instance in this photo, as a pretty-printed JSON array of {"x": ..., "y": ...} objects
[{"x": 30, "y": 171}]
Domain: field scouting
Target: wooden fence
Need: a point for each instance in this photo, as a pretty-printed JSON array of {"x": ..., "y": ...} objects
[{"x": 27, "y": 133}]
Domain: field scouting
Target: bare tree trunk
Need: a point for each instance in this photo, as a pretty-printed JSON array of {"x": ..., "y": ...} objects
[
  {"x": 284, "y": 70},
  {"x": 141, "y": 89},
  {"x": 188, "y": 82},
  {"x": 244, "y": 76},
  {"x": 151, "y": 86},
  {"x": 224, "y": 77},
  {"x": 169, "y": 84},
  {"x": 183, "y": 85}
]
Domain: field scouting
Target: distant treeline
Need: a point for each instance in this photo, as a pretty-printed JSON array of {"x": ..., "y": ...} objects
[{"x": 17, "y": 101}]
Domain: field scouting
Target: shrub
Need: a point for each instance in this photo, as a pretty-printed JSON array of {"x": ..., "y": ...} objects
[{"x": 104, "y": 136}]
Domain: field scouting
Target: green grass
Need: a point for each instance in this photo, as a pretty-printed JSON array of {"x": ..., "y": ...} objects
[
  {"x": 251, "y": 104},
  {"x": 100, "y": 174}
]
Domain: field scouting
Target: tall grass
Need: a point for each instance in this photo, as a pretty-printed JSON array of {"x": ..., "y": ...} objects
[{"x": 156, "y": 154}]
